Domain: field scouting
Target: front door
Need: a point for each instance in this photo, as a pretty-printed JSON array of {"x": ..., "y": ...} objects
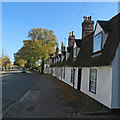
[{"x": 79, "y": 79}]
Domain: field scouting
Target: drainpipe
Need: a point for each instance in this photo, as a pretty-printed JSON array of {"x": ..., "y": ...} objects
[{"x": 73, "y": 77}]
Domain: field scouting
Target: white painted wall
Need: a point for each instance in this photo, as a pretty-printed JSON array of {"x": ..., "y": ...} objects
[
  {"x": 116, "y": 80},
  {"x": 49, "y": 70},
  {"x": 68, "y": 76},
  {"x": 59, "y": 73},
  {"x": 53, "y": 69},
  {"x": 45, "y": 69},
  {"x": 103, "y": 85}
]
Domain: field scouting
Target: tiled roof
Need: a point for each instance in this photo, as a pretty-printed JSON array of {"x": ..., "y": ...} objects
[
  {"x": 106, "y": 55},
  {"x": 104, "y": 25},
  {"x": 78, "y": 42}
]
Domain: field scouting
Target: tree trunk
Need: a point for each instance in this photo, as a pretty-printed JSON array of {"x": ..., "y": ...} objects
[
  {"x": 5, "y": 68},
  {"x": 42, "y": 67}
]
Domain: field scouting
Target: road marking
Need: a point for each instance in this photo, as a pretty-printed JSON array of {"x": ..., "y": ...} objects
[{"x": 24, "y": 96}]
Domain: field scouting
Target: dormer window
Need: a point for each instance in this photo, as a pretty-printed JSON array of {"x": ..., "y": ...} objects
[
  {"x": 75, "y": 52},
  {"x": 62, "y": 57},
  {"x": 59, "y": 59},
  {"x": 97, "y": 42},
  {"x": 55, "y": 60},
  {"x": 67, "y": 55}
]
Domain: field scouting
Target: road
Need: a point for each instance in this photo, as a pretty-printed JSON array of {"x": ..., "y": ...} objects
[{"x": 14, "y": 85}]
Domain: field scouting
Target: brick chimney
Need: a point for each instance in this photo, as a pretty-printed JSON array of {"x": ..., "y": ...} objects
[
  {"x": 62, "y": 47},
  {"x": 87, "y": 26},
  {"x": 71, "y": 39}
]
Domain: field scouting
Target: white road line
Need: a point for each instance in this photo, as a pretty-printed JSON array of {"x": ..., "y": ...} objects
[{"x": 24, "y": 96}]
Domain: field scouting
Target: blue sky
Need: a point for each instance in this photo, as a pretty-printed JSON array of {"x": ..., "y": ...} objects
[{"x": 18, "y": 18}]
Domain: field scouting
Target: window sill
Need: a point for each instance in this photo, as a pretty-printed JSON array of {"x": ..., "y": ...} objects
[
  {"x": 94, "y": 92},
  {"x": 95, "y": 54},
  {"x": 74, "y": 59}
]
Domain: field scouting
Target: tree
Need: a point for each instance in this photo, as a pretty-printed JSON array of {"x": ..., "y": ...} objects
[
  {"x": 41, "y": 43},
  {"x": 6, "y": 62},
  {"x": 44, "y": 42},
  {"x": 21, "y": 62}
]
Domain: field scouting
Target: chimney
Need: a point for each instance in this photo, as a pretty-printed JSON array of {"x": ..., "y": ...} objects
[
  {"x": 87, "y": 26},
  {"x": 71, "y": 39},
  {"x": 57, "y": 50},
  {"x": 62, "y": 47}
]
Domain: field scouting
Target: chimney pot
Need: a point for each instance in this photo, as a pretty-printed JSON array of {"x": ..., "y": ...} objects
[
  {"x": 90, "y": 17},
  {"x": 85, "y": 18},
  {"x": 72, "y": 33}
]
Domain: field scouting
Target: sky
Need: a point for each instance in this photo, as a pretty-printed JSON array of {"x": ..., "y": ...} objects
[{"x": 62, "y": 17}]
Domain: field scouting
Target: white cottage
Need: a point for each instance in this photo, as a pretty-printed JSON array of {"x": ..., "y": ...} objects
[
  {"x": 100, "y": 77},
  {"x": 92, "y": 64}
]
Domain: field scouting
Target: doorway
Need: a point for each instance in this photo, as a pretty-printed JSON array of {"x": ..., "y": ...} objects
[{"x": 79, "y": 79}]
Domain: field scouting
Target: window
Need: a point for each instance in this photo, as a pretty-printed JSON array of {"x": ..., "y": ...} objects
[
  {"x": 97, "y": 42},
  {"x": 67, "y": 55},
  {"x": 72, "y": 75},
  {"x": 62, "y": 57},
  {"x": 92, "y": 83},
  {"x": 51, "y": 71},
  {"x": 64, "y": 73},
  {"x": 59, "y": 59},
  {"x": 61, "y": 72},
  {"x": 74, "y": 52},
  {"x": 55, "y": 72}
]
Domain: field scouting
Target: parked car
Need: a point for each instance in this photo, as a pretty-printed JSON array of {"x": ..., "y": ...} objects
[{"x": 23, "y": 70}]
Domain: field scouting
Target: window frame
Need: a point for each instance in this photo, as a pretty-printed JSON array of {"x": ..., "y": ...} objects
[
  {"x": 94, "y": 51},
  {"x": 64, "y": 72},
  {"x": 67, "y": 55},
  {"x": 61, "y": 73},
  {"x": 72, "y": 75},
  {"x": 75, "y": 52},
  {"x": 95, "y": 81}
]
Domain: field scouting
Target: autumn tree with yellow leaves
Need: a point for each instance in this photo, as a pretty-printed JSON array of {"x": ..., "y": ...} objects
[
  {"x": 21, "y": 62},
  {"x": 5, "y": 62},
  {"x": 41, "y": 43}
]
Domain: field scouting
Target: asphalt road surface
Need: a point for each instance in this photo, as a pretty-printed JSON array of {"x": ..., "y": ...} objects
[{"x": 14, "y": 85}]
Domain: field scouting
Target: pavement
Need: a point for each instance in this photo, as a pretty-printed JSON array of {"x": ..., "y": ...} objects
[{"x": 48, "y": 99}]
